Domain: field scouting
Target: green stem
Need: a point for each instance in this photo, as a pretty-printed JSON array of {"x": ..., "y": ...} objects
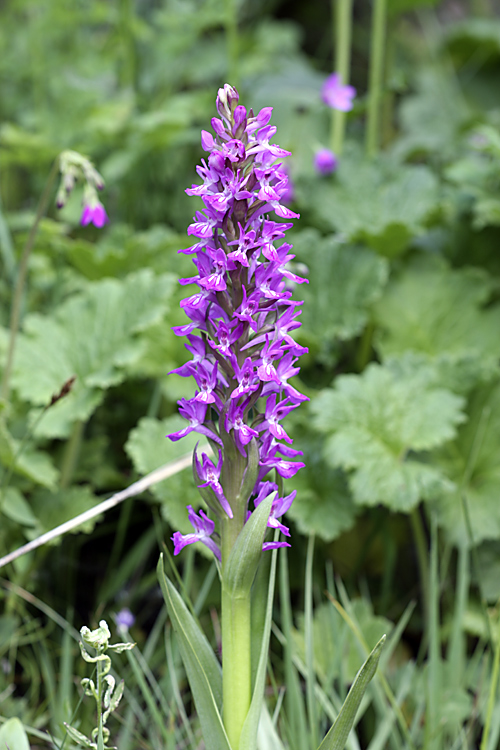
[
  {"x": 422, "y": 556},
  {"x": 232, "y": 41},
  {"x": 308, "y": 619},
  {"x": 236, "y": 664},
  {"x": 15, "y": 313},
  {"x": 493, "y": 692},
  {"x": 71, "y": 453},
  {"x": 376, "y": 76},
  {"x": 342, "y": 26}
]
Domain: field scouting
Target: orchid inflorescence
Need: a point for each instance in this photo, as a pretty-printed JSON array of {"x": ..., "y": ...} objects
[{"x": 241, "y": 319}]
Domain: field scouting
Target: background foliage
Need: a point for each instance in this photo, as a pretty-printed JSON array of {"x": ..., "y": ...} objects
[{"x": 401, "y": 317}]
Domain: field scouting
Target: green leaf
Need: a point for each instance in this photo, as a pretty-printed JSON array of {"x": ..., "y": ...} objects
[
  {"x": 440, "y": 314},
  {"x": 30, "y": 463},
  {"x": 324, "y": 505},
  {"x": 375, "y": 423},
  {"x": 380, "y": 203},
  {"x": 343, "y": 282},
  {"x": 337, "y": 736},
  {"x": 202, "y": 668},
  {"x": 149, "y": 448},
  {"x": 13, "y": 735},
  {"x": 471, "y": 461},
  {"x": 94, "y": 335},
  {"x": 241, "y": 567},
  {"x": 14, "y": 506},
  {"x": 54, "y": 508}
]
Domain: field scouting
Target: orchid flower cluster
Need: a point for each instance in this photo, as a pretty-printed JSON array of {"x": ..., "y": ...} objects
[{"x": 239, "y": 334}]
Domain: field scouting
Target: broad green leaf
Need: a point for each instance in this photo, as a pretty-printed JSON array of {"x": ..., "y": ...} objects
[
  {"x": 13, "y": 735},
  {"x": 337, "y": 736},
  {"x": 241, "y": 567},
  {"x": 14, "y": 506},
  {"x": 149, "y": 448},
  {"x": 324, "y": 505},
  {"x": 382, "y": 204},
  {"x": 94, "y": 335},
  {"x": 376, "y": 422},
  {"x": 439, "y": 313},
  {"x": 202, "y": 668},
  {"x": 248, "y": 738},
  {"x": 431, "y": 118},
  {"x": 343, "y": 282},
  {"x": 54, "y": 508},
  {"x": 30, "y": 463},
  {"x": 471, "y": 461}
]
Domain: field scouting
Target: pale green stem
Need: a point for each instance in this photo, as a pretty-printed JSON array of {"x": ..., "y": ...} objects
[
  {"x": 342, "y": 25},
  {"x": 236, "y": 664},
  {"x": 17, "y": 298},
  {"x": 423, "y": 563},
  {"x": 308, "y": 612},
  {"x": 493, "y": 692},
  {"x": 376, "y": 76},
  {"x": 232, "y": 41}
]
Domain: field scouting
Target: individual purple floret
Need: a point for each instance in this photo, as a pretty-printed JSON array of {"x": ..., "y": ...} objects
[
  {"x": 325, "y": 161},
  {"x": 241, "y": 322},
  {"x": 124, "y": 619},
  {"x": 336, "y": 95}
]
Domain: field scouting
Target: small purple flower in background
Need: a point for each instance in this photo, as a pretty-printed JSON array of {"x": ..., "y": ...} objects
[
  {"x": 73, "y": 167},
  {"x": 242, "y": 311},
  {"x": 336, "y": 95},
  {"x": 325, "y": 161},
  {"x": 94, "y": 213},
  {"x": 124, "y": 619}
]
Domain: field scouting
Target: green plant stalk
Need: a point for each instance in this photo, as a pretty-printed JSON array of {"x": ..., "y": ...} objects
[
  {"x": 71, "y": 454},
  {"x": 342, "y": 31},
  {"x": 232, "y": 41},
  {"x": 15, "y": 313},
  {"x": 236, "y": 664},
  {"x": 379, "y": 19},
  {"x": 423, "y": 563},
  {"x": 308, "y": 619},
  {"x": 236, "y": 631}
]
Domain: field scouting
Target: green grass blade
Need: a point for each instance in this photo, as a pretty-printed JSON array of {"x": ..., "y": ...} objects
[{"x": 336, "y": 738}]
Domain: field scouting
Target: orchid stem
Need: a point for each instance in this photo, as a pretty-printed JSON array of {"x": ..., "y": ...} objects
[
  {"x": 342, "y": 27},
  {"x": 236, "y": 664}
]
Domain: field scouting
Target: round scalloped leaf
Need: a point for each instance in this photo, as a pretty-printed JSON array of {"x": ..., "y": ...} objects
[
  {"x": 439, "y": 313},
  {"x": 95, "y": 335},
  {"x": 149, "y": 448},
  {"x": 377, "y": 423},
  {"x": 343, "y": 282}
]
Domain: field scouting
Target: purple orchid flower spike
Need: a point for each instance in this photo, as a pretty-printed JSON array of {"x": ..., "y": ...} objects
[
  {"x": 241, "y": 322},
  {"x": 336, "y": 95},
  {"x": 203, "y": 529}
]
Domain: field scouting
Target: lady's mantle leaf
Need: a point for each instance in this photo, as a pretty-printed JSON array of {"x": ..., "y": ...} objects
[
  {"x": 376, "y": 421},
  {"x": 438, "y": 312},
  {"x": 343, "y": 282},
  {"x": 383, "y": 204},
  {"x": 94, "y": 335},
  {"x": 149, "y": 449}
]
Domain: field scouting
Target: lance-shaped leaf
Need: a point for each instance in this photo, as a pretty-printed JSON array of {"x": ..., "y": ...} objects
[
  {"x": 377, "y": 422},
  {"x": 13, "y": 735},
  {"x": 94, "y": 335},
  {"x": 241, "y": 567},
  {"x": 337, "y": 736},
  {"x": 201, "y": 665}
]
